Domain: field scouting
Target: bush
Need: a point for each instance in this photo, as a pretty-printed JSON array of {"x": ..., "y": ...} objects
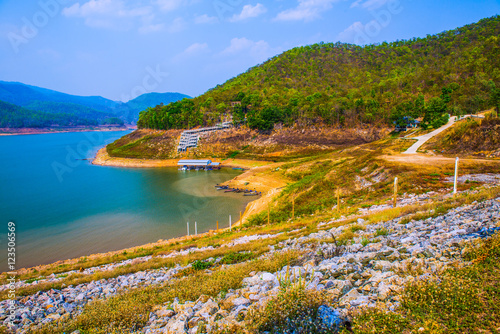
[
  {"x": 201, "y": 265},
  {"x": 293, "y": 310}
]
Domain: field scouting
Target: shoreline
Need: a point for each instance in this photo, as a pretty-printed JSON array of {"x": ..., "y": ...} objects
[
  {"x": 269, "y": 190},
  {"x": 36, "y": 131}
]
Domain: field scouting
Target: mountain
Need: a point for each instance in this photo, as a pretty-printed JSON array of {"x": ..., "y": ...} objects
[
  {"x": 37, "y": 98},
  {"x": 153, "y": 99},
  {"x": 456, "y": 71},
  {"x": 69, "y": 108},
  {"x": 22, "y": 95},
  {"x": 13, "y": 116},
  {"x": 130, "y": 111}
]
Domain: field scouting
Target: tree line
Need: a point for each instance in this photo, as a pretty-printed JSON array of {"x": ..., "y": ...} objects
[{"x": 453, "y": 72}]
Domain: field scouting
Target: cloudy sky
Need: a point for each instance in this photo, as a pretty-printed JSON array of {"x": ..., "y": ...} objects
[{"x": 120, "y": 49}]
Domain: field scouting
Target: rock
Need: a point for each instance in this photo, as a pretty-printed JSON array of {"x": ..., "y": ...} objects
[
  {"x": 210, "y": 308},
  {"x": 351, "y": 295},
  {"x": 80, "y": 297},
  {"x": 331, "y": 318},
  {"x": 165, "y": 313},
  {"x": 176, "y": 326},
  {"x": 240, "y": 301},
  {"x": 382, "y": 265}
]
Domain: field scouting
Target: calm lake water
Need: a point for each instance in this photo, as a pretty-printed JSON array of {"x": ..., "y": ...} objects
[{"x": 65, "y": 207}]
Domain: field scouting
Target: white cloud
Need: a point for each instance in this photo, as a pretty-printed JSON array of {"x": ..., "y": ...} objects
[
  {"x": 347, "y": 36},
  {"x": 307, "y": 10},
  {"x": 359, "y": 33},
  {"x": 145, "y": 29},
  {"x": 258, "y": 50},
  {"x": 369, "y": 4},
  {"x": 104, "y": 8},
  {"x": 177, "y": 25},
  {"x": 111, "y": 14},
  {"x": 170, "y": 5},
  {"x": 205, "y": 19},
  {"x": 249, "y": 11},
  {"x": 196, "y": 48},
  {"x": 193, "y": 50}
]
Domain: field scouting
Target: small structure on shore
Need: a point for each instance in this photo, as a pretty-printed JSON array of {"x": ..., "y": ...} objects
[{"x": 198, "y": 164}]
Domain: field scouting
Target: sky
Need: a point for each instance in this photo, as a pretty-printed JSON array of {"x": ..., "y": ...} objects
[{"x": 120, "y": 49}]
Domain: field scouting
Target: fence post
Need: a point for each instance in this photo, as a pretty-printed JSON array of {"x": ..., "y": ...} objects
[
  {"x": 395, "y": 191},
  {"x": 456, "y": 177},
  {"x": 338, "y": 200},
  {"x": 229, "y": 222}
]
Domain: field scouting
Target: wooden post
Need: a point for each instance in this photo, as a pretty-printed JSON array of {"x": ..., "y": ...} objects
[
  {"x": 240, "y": 216},
  {"x": 293, "y": 207},
  {"x": 338, "y": 200},
  {"x": 188, "y": 229},
  {"x": 395, "y": 191},
  {"x": 229, "y": 222},
  {"x": 217, "y": 226},
  {"x": 456, "y": 177},
  {"x": 195, "y": 228}
]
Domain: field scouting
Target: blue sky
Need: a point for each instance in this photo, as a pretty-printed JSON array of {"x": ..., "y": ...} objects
[{"x": 120, "y": 49}]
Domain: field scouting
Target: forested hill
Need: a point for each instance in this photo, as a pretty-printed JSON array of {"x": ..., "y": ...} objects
[
  {"x": 456, "y": 71},
  {"x": 13, "y": 116},
  {"x": 89, "y": 107}
]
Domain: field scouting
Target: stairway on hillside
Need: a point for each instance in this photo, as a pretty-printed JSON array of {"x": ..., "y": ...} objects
[{"x": 190, "y": 138}]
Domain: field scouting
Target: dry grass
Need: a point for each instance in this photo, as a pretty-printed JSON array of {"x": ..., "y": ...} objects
[
  {"x": 465, "y": 300},
  {"x": 129, "y": 311}
]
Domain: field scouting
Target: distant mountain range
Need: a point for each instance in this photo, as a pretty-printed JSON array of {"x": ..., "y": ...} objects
[{"x": 81, "y": 109}]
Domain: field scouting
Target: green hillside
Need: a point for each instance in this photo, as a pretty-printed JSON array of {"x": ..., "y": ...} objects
[
  {"x": 69, "y": 108},
  {"x": 456, "y": 71},
  {"x": 90, "y": 107},
  {"x": 13, "y": 116}
]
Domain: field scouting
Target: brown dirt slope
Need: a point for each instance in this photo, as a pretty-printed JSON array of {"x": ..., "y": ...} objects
[
  {"x": 146, "y": 144},
  {"x": 285, "y": 142},
  {"x": 470, "y": 137},
  {"x": 242, "y": 143}
]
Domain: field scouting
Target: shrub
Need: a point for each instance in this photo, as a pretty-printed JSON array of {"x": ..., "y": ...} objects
[
  {"x": 381, "y": 231},
  {"x": 201, "y": 265},
  {"x": 356, "y": 228},
  {"x": 293, "y": 310}
]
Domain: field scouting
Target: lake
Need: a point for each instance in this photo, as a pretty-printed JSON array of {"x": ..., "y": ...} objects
[{"x": 65, "y": 207}]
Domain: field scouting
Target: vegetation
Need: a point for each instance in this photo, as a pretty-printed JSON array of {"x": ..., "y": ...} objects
[
  {"x": 70, "y": 109},
  {"x": 12, "y": 116},
  {"x": 144, "y": 144},
  {"x": 94, "y": 108},
  {"x": 456, "y": 71},
  {"x": 480, "y": 137},
  {"x": 465, "y": 300},
  {"x": 294, "y": 306},
  {"x": 130, "y": 310}
]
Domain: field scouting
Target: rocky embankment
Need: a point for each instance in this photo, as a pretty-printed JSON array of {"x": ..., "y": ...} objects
[{"x": 370, "y": 271}]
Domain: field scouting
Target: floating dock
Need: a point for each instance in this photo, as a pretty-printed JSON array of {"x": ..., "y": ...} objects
[{"x": 198, "y": 165}]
